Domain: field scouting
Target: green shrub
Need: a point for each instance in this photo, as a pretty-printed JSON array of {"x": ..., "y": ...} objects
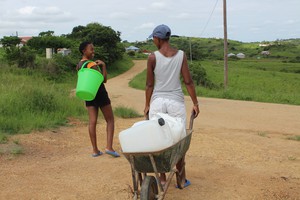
[
  {"x": 125, "y": 112},
  {"x": 200, "y": 77},
  {"x": 3, "y": 138}
]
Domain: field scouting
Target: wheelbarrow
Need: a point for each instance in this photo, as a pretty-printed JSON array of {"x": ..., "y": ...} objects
[{"x": 163, "y": 161}]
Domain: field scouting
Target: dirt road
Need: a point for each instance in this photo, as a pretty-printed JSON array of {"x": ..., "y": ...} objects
[{"x": 239, "y": 151}]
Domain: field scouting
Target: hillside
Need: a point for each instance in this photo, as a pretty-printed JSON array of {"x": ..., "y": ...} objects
[{"x": 212, "y": 48}]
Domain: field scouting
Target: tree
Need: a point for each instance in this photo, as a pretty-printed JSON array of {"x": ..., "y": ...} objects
[
  {"x": 26, "y": 58},
  {"x": 15, "y": 54},
  {"x": 46, "y": 33},
  {"x": 107, "y": 42},
  {"x": 11, "y": 47},
  {"x": 47, "y": 40},
  {"x": 11, "y": 41}
]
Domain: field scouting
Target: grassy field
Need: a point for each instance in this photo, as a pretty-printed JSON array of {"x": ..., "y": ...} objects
[
  {"x": 251, "y": 80},
  {"x": 29, "y": 101}
]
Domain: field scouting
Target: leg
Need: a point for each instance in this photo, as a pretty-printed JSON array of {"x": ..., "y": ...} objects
[
  {"x": 163, "y": 178},
  {"x": 110, "y": 125},
  {"x": 181, "y": 169},
  {"x": 182, "y": 182},
  {"x": 93, "y": 116}
]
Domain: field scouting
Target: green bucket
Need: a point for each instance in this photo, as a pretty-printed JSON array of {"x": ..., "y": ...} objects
[{"x": 88, "y": 83}]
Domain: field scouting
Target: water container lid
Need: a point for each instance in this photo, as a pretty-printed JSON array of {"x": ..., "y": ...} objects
[{"x": 161, "y": 121}]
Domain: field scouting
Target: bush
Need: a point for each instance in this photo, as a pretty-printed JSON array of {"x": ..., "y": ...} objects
[
  {"x": 199, "y": 76},
  {"x": 26, "y": 58}
]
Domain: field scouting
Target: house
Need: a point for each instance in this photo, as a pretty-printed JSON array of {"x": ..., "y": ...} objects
[
  {"x": 146, "y": 52},
  {"x": 240, "y": 55},
  {"x": 24, "y": 40},
  {"x": 231, "y": 55},
  {"x": 64, "y": 51},
  {"x": 265, "y": 53},
  {"x": 132, "y": 48}
]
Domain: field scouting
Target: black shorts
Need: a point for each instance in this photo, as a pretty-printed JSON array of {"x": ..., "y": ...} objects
[{"x": 101, "y": 98}]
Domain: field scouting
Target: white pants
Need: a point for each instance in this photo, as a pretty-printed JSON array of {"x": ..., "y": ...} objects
[{"x": 168, "y": 106}]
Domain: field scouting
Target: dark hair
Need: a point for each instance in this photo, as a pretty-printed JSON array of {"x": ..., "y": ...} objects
[{"x": 83, "y": 45}]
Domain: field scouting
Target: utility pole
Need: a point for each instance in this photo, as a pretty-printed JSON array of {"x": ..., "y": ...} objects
[{"x": 225, "y": 46}]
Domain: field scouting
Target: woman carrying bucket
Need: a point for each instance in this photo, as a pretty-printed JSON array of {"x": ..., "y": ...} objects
[{"x": 95, "y": 101}]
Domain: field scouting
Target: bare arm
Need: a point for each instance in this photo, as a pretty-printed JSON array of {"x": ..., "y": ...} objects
[
  {"x": 189, "y": 84},
  {"x": 149, "y": 82}
]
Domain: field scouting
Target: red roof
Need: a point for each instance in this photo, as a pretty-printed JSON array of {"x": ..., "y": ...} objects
[{"x": 25, "y": 39}]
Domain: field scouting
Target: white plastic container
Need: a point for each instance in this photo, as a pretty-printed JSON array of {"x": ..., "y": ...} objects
[
  {"x": 146, "y": 136},
  {"x": 177, "y": 126}
]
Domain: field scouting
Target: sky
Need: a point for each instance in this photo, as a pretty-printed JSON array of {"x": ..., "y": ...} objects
[{"x": 247, "y": 20}]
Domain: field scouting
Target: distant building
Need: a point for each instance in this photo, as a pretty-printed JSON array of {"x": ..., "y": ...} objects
[
  {"x": 240, "y": 55},
  {"x": 263, "y": 45},
  {"x": 64, "y": 51},
  {"x": 265, "y": 53},
  {"x": 146, "y": 52},
  {"x": 132, "y": 48},
  {"x": 231, "y": 55},
  {"x": 24, "y": 40}
]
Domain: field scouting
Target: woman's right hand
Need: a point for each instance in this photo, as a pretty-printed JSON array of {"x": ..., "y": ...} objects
[
  {"x": 100, "y": 63},
  {"x": 146, "y": 112}
]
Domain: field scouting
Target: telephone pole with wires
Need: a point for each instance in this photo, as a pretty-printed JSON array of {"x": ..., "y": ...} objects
[{"x": 225, "y": 45}]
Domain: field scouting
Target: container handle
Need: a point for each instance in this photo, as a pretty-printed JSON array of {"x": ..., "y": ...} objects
[{"x": 85, "y": 63}]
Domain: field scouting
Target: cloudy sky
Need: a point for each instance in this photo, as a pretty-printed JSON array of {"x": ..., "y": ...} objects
[{"x": 247, "y": 20}]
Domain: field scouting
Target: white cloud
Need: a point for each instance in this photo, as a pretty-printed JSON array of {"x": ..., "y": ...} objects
[
  {"x": 158, "y": 5},
  {"x": 28, "y": 10},
  {"x": 119, "y": 15},
  {"x": 290, "y": 21},
  {"x": 146, "y": 26},
  {"x": 135, "y": 19},
  {"x": 183, "y": 16}
]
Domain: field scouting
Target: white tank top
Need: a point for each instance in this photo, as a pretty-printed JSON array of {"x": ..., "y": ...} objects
[{"x": 167, "y": 76}]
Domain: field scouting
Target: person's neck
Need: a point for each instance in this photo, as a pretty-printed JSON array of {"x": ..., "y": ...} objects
[
  {"x": 84, "y": 58},
  {"x": 167, "y": 50}
]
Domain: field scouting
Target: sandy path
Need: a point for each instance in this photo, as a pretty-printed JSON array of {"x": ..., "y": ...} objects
[{"x": 239, "y": 150}]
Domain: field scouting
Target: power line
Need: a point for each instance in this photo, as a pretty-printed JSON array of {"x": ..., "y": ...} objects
[{"x": 213, "y": 10}]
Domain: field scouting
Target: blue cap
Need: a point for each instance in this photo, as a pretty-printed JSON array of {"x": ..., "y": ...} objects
[{"x": 161, "y": 31}]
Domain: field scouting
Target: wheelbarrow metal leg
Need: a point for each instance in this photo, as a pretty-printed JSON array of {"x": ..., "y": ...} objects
[
  {"x": 134, "y": 178},
  {"x": 156, "y": 173}
]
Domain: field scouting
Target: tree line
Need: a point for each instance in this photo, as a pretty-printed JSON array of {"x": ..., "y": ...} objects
[{"x": 107, "y": 42}]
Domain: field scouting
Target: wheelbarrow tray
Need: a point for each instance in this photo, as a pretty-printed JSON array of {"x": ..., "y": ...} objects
[{"x": 164, "y": 159}]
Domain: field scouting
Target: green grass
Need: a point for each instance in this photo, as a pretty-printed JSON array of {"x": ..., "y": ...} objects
[
  {"x": 30, "y": 102},
  {"x": 125, "y": 112},
  {"x": 250, "y": 80},
  {"x": 3, "y": 138},
  {"x": 17, "y": 150},
  {"x": 296, "y": 138},
  {"x": 120, "y": 66}
]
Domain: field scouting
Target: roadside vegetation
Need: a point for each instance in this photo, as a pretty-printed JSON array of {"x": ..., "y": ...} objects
[
  {"x": 249, "y": 80},
  {"x": 39, "y": 93},
  {"x": 270, "y": 71}
]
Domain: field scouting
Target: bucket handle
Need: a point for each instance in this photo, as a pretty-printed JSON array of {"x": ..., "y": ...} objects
[{"x": 84, "y": 64}]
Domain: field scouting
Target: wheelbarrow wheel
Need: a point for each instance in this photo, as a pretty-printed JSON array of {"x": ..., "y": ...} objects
[{"x": 149, "y": 190}]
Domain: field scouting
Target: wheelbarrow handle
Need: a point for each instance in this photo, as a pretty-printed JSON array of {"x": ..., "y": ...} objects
[{"x": 192, "y": 120}]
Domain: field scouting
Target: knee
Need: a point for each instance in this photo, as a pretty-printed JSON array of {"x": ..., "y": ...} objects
[
  {"x": 110, "y": 120},
  {"x": 92, "y": 122}
]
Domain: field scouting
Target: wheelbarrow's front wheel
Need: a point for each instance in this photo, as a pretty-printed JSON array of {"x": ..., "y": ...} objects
[{"x": 149, "y": 190}]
